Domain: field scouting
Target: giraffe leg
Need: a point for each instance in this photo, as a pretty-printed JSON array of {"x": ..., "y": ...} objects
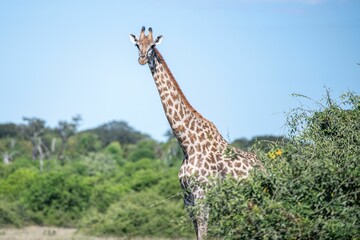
[
  {"x": 200, "y": 214},
  {"x": 189, "y": 202},
  {"x": 194, "y": 221},
  {"x": 202, "y": 221},
  {"x": 198, "y": 211}
]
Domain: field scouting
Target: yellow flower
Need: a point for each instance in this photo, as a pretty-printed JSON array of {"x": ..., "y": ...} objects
[
  {"x": 271, "y": 155},
  {"x": 278, "y": 152}
]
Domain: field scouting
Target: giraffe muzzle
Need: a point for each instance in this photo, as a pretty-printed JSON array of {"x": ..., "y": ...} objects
[{"x": 142, "y": 60}]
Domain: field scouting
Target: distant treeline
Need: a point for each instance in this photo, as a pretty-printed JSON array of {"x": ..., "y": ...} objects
[{"x": 34, "y": 138}]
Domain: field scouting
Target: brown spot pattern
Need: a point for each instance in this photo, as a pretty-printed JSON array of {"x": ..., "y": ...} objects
[{"x": 199, "y": 138}]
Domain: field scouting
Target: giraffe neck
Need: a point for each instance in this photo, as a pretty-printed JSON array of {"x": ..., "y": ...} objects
[{"x": 189, "y": 127}]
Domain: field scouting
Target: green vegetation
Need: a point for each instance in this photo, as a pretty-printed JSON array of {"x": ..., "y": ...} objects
[
  {"x": 115, "y": 181},
  {"x": 106, "y": 181},
  {"x": 311, "y": 189}
]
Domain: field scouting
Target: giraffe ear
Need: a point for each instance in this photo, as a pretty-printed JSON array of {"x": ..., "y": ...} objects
[
  {"x": 133, "y": 39},
  {"x": 158, "y": 40}
]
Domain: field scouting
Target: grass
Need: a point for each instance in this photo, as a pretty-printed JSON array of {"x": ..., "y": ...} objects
[{"x": 52, "y": 233}]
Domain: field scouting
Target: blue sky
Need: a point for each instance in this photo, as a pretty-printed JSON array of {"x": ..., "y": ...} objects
[{"x": 237, "y": 61}]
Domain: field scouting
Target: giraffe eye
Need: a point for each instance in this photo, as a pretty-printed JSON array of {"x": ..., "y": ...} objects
[{"x": 149, "y": 53}]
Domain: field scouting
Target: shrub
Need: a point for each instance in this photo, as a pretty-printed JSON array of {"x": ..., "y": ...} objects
[
  {"x": 6, "y": 170},
  {"x": 169, "y": 186},
  {"x": 11, "y": 214},
  {"x": 57, "y": 199},
  {"x": 138, "y": 214},
  {"x": 144, "y": 149},
  {"x": 106, "y": 193},
  {"x": 83, "y": 143},
  {"x": 99, "y": 163},
  {"x": 141, "y": 153},
  {"x": 13, "y": 186},
  {"x": 144, "y": 179},
  {"x": 143, "y": 164},
  {"x": 311, "y": 187},
  {"x": 115, "y": 150}
]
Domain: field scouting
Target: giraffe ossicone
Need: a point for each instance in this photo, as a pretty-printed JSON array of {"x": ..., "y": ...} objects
[{"x": 207, "y": 154}]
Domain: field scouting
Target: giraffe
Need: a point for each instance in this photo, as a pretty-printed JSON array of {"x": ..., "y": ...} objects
[{"x": 207, "y": 154}]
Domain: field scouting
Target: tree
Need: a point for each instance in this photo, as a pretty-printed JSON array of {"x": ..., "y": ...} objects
[
  {"x": 118, "y": 131},
  {"x": 8, "y": 150},
  {"x": 169, "y": 134},
  {"x": 83, "y": 143},
  {"x": 143, "y": 149},
  {"x": 66, "y": 130},
  {"x": 10, "y": 130},
  {"x": 34, "y": 130},
  {"x": 172, "y": 153},
  {"x": 115, "y": 150}
]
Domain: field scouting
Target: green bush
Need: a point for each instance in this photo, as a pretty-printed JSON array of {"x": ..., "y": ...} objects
[
  {"x": 169, "y": 186},
  {"x": 11, "y": 214},
  {"x": 99, "y": 163},
  {"x": 6, "y": 170},
  {"x": 138, "y": 214},
  {"x": 57, "y": 199},
  {"x": 144, "y": 179},
  {"x": 143, "y": 164},
  {"x": 115, "y": 150},
  {"x": 172, "y": 153},
  {"x": 311, "y": 187},
  {"x": 83, "y": 143},
  {"x": 106, "y": 193},
  {"x": 141, "y": 153},
  {"x": 144, "y": 149},
  {"x": 13, "y": 186}
]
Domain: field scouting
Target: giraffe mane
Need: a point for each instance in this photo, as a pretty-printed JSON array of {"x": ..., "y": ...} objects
[{"x": 186, "y": 102}]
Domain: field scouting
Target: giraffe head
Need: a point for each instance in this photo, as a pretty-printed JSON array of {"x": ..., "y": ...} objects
[{"x": 146, "y": 45}]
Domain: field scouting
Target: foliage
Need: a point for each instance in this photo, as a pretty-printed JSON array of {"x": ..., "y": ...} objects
[
  {"x": 6, "y": 170},
  {"x": 141, "y": 153},
  {"x": 262, "y": 142},
  {"x": 11, "y": 214},
  {"x": 138, "y": 214},
  {"x": 17, "y": 182},
  {"x": 11, "y": 130},
  {"x": 57, "y": 198},
  {"x": 99, "y": 163},
  {"x": 14, "y": 147},
  {"x": 34, "y": 130},
  {"x": 83, "y": 143},
  {"x": 91, "y": 188},
  {"x": 171, "y": 152},
  {"x": 168, "y": 186},
  {"x": 311, "y": 187},
  {"x": 115, "y": 150},
  {"x": 113, "y": 180},
  {"x": 144, "y": 149},
  {"x": 66, "y": 130},
  {"x": 144, "y": 164},
  {"x": 117, "y": 131},
  {"x": 105, "y": 193}
]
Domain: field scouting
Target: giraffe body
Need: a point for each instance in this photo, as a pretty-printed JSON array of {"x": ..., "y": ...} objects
[{"x": 207, "y": 154}]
